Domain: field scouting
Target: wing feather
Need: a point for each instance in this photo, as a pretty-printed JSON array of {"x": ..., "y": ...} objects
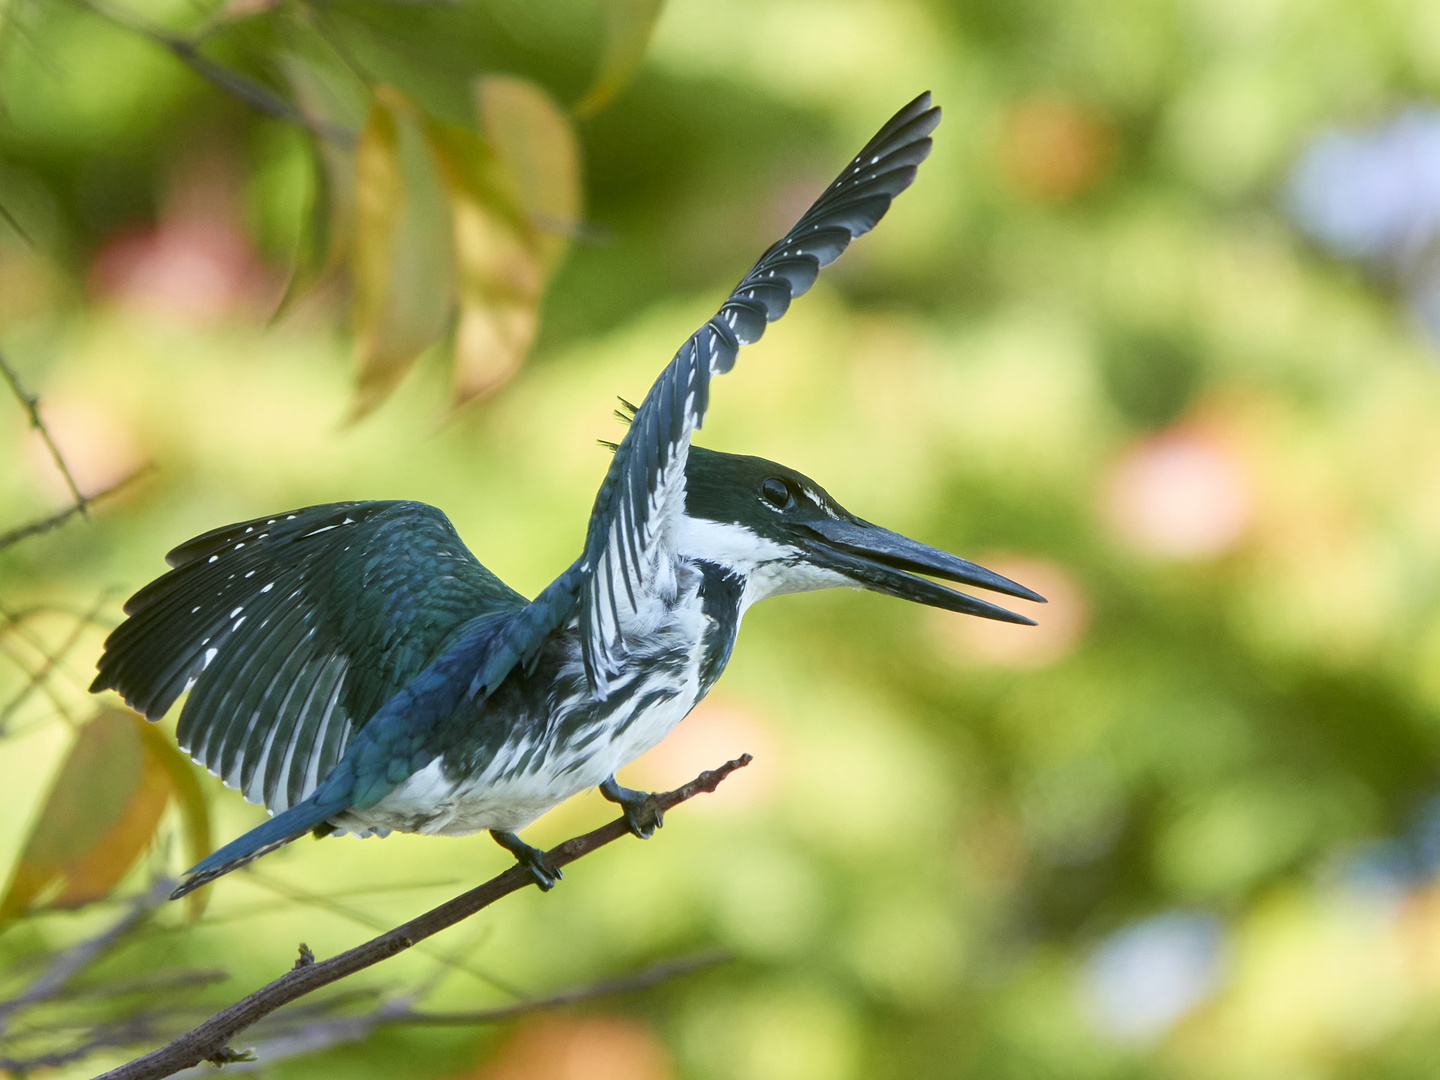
[
  {"x": 628, "y": 565},
  {"x": 291, "y": 631}
]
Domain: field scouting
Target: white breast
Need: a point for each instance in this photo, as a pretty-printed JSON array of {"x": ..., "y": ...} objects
[{"x": 500, "y": 798}]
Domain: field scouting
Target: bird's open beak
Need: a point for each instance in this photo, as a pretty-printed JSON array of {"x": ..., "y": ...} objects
[{"x": 886, "y": 562}]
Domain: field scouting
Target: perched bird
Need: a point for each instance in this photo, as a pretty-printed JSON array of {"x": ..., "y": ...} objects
[{"x": 355, "y": 668}]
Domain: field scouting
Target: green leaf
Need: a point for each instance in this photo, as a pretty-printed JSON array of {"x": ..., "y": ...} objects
[
  {"x": 329, "y": 94},
  {"x": 628, "y": 24},
  {"x": 401, "y": 256},
  {"x": 98, "y": 818}
]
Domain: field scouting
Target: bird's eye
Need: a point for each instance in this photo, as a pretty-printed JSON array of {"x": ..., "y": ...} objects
[{"x": 776, "y": 493}]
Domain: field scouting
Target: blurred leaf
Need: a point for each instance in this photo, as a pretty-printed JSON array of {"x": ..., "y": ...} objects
[
  {"x": 194, "y": 810},
  {"x": 316, "y": 249},
  {"x": 627, "y": 31},
  {"x": 98, "y": 818},
  {"x": 535, "y": 143},
  {"x": 513, "y": 198},
  {"x": 328, "y": 94},
  {"x": 401, "y": 259}
]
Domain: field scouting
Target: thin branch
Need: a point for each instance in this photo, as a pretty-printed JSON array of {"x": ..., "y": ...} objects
[
  {"x": 31, "y": 404},
  {"x": 44, "y": 525},
  {"x": 148, "y": 984},
  {"x": 239, "y": 86},
  {"x": 80, "y": 956},
  {"x": 14, "y": 224},
  {"x": 51, "y": 661},
  {"x": 209, "y": 1041},
  {"x": 325, "y": 903},
  {"x": 45, "y": 688},
  {"x": 624, "y": 984},
  {"x": 321, "y": 1035}
]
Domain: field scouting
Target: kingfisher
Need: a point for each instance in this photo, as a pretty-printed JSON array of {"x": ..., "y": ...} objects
[{"x": 353, "y": 667}]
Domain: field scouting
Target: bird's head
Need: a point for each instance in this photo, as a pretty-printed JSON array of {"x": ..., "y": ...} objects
[{"x": 783, "y": 533}]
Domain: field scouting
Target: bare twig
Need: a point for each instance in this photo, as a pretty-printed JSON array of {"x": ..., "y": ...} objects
[
  {"x": 80, "y": 956},
  {"x": 31, "y": 676},
  {"x": 148, "y": 984},
  {"x": 319, "y": 1035},
  {"x": 239, "y": 86},
  {"x": 14, "y": 224},
  {"x": 52, "y": 660},
  {"x": 209, "y": 1041},
  {"x": 43, "y": 525},
  {"x": 31, "y": 404},
  {"x": 325, "y": 903}
]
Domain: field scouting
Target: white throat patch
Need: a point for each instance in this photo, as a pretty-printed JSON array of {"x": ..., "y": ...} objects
[{"x": 770, "y": 569}]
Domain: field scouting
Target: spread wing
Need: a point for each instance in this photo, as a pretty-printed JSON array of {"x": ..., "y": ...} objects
[
  {"x": 292, "y": 631},
  {"x": 628, "y": 558}
]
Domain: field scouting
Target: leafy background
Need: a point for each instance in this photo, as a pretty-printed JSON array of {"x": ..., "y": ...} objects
[{"x": 1186, "y": 827}]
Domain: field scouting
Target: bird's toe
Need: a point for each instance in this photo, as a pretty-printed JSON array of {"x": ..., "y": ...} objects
[
  {"x": 644, "y": 817},
  {"x": 642, "y": 810},
  {"x": 544, "y": 874},
  {"x": 532, "y": 858}
]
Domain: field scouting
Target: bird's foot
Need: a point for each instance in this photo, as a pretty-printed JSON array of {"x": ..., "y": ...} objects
[
  {"x": 533, "y": 859},
  {"x": 642, "y": 813}
]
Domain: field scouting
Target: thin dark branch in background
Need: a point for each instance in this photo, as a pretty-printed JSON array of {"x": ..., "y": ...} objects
[
  {"x": 233, "y": 83},
  {"x": 105, "y": 1037},
  {"x": 14, "y": 224},
  {"x": 651, "y": 976},
  {"x": 45, "y": 688},
  {"x": 31, "y": 404},
  {"x": 35, "y": 528},
  {"x": 210, "y": 1041},
  {"x": 41, "y": 675},
  {"x": 17, "y": 617},
  {"x": 78, "y": 957},
  {"x": 16, "y": 624},
  {"x": 309, "y": 1038},
  {"x": 148, "y": 984},
  {"x": 325, "y": 903}
]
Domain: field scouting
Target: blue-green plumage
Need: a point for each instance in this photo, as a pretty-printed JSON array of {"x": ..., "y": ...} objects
[{"x": 354, "y": 667}]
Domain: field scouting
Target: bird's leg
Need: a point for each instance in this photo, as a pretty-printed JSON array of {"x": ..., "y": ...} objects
[
  {"x": 533, "y": 859},
  {"x": 641, "y": 813}
]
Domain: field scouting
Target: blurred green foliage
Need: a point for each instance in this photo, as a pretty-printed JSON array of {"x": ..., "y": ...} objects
[{"x": 1086, "y": 349}]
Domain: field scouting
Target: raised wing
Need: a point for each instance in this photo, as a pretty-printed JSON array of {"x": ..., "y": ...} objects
[
  {"x": 292, "y": 631},
  {"x": 629, "y": 550}
]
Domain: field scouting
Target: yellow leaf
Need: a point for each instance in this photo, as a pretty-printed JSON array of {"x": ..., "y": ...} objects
[
  {"x": 97, "y": 820},
  {"x": 401, "y": 257},
  {"x": 514, "y": 197},
  {"x": 627, "y": 31},
  {"x": 536, "y": 148},
  {"x": 194, "y": 809}
]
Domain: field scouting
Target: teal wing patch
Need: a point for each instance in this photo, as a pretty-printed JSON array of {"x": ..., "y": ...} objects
[{"x": 291, "y": 631}]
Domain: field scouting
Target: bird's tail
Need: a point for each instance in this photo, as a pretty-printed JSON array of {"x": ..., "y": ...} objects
[{"x": 261, "y": 840}]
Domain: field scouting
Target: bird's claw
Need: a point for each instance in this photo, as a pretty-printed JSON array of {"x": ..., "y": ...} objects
[
  {"x": 533, "y": 859},
  {"x": 642, "y": 811}
]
